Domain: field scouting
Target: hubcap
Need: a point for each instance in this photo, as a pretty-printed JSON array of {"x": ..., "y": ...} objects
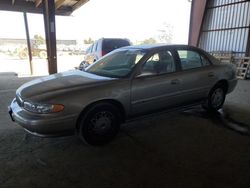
[
  {"x": 217, "y": 97},
  {"x": 101, "y": 122}
]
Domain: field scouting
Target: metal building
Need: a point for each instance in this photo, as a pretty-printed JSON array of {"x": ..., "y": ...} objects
[{"x": 221, "y": 26}]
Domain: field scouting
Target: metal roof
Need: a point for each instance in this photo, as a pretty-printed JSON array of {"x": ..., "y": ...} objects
[{"x": 63, "y": 7}]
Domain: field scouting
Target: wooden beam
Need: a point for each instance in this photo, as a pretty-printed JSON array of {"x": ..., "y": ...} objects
[
  {"x": 79, "y": 4},
  {"x": 38, "y": 2},
  {"x": 35, "y": 7},
  {"x": 28, "y": 6},
  {"x": 197, "y": 15},
  {"x": 50, "y": 33},
  {"x": 59, "y": 3},
  {"x": 28, "y": 41}
]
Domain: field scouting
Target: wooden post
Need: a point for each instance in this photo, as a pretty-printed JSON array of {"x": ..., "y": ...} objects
[
  {"x": 50, "y": 33},
  {"x": 28, "y": 41}
]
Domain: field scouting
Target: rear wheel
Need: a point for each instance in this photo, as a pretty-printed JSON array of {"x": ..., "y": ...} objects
[
  {"x": 100, "y": 124},
  {"x": 215, "y": 98}
]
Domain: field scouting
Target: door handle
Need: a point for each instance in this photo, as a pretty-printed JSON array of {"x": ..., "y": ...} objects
[
  {"x": 210, "y": 74},
  {"x": 175, "y": 82}
]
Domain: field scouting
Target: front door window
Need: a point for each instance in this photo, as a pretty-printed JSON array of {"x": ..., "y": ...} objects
[{"x": 159, "y": 63}]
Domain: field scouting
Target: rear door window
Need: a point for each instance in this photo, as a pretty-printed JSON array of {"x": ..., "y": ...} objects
[
  {"x": 110, "y": 45},
  {"x": 89, "y": 50},
  {"x": 192, "y": 59},
  {"x": 159, "y": 63}
]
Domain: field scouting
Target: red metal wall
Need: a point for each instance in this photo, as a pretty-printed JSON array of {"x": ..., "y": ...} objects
[{"x": 196, "y": 17}]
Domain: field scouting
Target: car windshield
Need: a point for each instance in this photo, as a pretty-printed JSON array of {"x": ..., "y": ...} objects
[{"x": 117, "y": 64}]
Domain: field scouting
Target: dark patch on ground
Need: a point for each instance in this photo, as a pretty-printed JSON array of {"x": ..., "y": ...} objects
[{"x": 221, "y": 118}]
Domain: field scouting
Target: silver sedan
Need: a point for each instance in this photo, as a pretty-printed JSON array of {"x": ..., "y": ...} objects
[{"x": 126, "y": 83}]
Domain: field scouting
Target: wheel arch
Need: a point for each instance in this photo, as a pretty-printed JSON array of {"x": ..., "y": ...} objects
[
  {"x": 114, "y": 102},
  {"x": 207, "y": 103},
  {"x": 224, "y": 83}
]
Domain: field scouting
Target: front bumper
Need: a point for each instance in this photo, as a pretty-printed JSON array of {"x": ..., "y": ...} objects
[{"x": 45, "y": 125}]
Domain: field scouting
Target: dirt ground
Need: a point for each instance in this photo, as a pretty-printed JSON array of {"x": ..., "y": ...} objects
[{"x": 179, "y": 149}]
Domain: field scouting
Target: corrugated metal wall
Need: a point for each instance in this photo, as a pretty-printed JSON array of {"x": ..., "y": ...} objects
[{"x": 226, "y": 26}]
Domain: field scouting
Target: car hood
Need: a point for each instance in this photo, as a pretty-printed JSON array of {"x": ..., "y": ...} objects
[{"x": 60, "y": 81}]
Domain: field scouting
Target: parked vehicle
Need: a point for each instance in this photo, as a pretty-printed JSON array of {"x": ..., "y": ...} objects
[
  {"x": 37, "y": 50},
  {"x": 127, "y": 83},
  {"x": 100, "y": 48}
]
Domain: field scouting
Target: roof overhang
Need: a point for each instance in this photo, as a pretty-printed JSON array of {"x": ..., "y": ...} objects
[{"x": 63, "y": 7}]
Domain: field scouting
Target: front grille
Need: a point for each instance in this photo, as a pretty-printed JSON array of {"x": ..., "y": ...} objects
[{"x": 19, "y": 101}]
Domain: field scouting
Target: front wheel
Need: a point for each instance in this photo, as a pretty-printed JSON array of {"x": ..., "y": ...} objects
[
  {"x": 215, "y": 98},
  {"x": 100, "y": 124},
  {"x": 83, "y": 65}
]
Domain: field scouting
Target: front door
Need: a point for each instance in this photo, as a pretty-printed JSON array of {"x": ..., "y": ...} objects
[{"x": 157, "y": 85}]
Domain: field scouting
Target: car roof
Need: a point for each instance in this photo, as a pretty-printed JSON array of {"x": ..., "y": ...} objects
[
  {"x": 124, "y": 39},
  {"x": 158, "y": 46}
]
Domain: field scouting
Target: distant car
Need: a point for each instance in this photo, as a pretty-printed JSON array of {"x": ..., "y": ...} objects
[
  {"x": 100, "y": 48},
  {"x": 127, "y": 83}
]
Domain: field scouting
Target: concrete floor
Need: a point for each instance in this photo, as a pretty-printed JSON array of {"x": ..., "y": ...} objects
[{"x": 181, "y": 149}]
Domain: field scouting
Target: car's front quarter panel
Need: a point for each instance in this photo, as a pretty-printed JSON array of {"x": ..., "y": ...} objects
[{"x": 76, "y": 100}]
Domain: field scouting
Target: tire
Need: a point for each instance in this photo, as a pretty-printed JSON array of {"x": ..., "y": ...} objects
[
  {"x": 42, "y": 54},
  {"x": 23, "y": 54},
  {"x": 83, "y": 65},
  {"x": 86, "y": 64},
  {"x": 216, "y": 98},
  {"x": 100, "y": 124}
]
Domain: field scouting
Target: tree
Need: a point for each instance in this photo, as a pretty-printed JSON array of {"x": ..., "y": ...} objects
[
  {"x": 166, "y": 33},
  {"x": 38, "y": 40},
  {"x": 89, "y": 41},
  {"x": 149, "y": 41}
]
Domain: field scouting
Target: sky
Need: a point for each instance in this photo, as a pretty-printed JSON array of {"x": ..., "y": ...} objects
[{"x": 136, "y": 20}]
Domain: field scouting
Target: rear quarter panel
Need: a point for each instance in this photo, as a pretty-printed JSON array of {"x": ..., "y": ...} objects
[{"x": 226, "y": 71}]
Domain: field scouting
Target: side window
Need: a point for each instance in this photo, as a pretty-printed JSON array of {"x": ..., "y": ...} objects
[
  {"x": 205, "y": 61},
  {"x": 94, "y": 47},
  {"x": 159, "y": 63},
  {"x": 191, "y": 59},
  {"x": 89, "y": 50}
]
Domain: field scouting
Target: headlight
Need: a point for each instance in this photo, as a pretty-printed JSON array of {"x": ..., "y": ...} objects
[{"x": 42, "y": 108}]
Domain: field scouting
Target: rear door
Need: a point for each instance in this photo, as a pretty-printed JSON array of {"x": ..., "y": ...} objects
[{"x": 197, "y": 75}]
